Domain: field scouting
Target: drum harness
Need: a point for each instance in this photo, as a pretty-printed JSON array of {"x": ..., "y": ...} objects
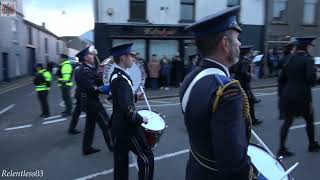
[{"x": 203, "y": 161}]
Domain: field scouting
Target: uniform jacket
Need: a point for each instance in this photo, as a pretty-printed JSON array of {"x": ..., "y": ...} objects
[
  {"x": 220, "y": 136},
  {"x": 296, "y": 80},
  {"x": 125, "y": 119}
]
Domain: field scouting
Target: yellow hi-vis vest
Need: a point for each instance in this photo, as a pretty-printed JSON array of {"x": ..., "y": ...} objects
[
  {"x": 66, "y": 73},
  {"x": 47, "y": 77}
]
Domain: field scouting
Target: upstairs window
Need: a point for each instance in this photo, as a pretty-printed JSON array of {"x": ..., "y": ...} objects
[
  {"x": 137, "y": 10},
  {"x": 309, "y": 12},
  {"x": 187, "y": 11},
  {"x": 280, "y": 11}
]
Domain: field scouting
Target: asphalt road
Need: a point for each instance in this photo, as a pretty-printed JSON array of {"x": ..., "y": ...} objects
[{"x": 43, "y": 146}]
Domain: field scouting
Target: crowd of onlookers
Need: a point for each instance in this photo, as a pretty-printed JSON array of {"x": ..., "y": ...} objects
[{"x": 163, "y": 72}]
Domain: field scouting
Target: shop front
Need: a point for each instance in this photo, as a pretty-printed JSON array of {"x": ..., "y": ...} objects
[{"x": 162, "y": 40}]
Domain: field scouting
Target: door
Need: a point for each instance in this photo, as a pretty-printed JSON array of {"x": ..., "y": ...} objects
[
  {"x": 5, "y": 67},
  {"x": 32, "y": 60}
]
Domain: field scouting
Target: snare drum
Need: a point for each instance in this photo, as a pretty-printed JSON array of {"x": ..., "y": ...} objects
[
  {"x": 266, "y": 165},
  {"x": 155, "y": 127}
]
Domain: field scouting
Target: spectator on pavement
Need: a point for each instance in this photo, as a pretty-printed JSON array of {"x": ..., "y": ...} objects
[
  {"x": 154, "y": 72},
  {"x": 178, "y": 67},
  {"x": 165, "y": 73}
]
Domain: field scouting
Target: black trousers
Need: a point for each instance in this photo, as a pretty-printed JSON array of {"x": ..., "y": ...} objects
[
  {"x": 138, "y": 145},
  {"x": 43, "y": 98},
  {"x": 288, "y": 120},
  {"x": 75, "y": 115},
  {"x": 96, "y": 114},
  {"x": 67, "y": 98}
]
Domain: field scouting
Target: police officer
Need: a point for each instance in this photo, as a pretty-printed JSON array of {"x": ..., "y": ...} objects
[
  {"x": 90, "y": 103},
  {"x": 296, "y": 79},
  {"x": 243, "y": 75},
  {"x": 215, "y": 107},
  {"x": 126, "y": 121},
  {"x": 42, "y": 81},
  {"x": 65, "y": 83}
]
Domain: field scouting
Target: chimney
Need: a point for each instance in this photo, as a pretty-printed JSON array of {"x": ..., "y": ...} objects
[{"x": 43, "y": 24}]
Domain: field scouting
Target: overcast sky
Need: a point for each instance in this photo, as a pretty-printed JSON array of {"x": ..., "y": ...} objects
[{"x": 62, "y": 17}]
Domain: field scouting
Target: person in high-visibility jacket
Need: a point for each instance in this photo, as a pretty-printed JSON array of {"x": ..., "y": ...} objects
[
  {"x": 65, "y": 83},
  {"x": 42, "y": 82}
]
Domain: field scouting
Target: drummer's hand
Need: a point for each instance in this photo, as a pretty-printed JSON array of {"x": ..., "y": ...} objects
[
  {"x": 140, "y": 96},
  {"x": 145, "y": 120}
]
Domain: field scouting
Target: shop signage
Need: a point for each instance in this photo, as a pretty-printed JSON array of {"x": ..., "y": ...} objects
[{"x": 160, "y": 31}]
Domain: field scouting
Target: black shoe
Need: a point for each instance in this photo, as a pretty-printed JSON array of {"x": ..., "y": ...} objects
[
  {"x": 285, "y": 153},
  {"x": 74, "y": 131},
  {"x": 65, "y": 114},
  {"x": 90, "y": 151},
  {"x": 257, "y": 101},
  {"x": 314, "y": 147},
  {"x": 256, "y": 122}
]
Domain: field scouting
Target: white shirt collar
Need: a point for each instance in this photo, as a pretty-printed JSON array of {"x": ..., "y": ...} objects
[
  {"x": 117, "y": 66},
  {"x": 223, "y": 66}
]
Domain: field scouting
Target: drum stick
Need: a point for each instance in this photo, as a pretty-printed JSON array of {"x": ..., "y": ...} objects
[
  {"x": 289, "y": 170},
  {"x": 263, "y": 145},
  {"x": 145, "y": 98}
]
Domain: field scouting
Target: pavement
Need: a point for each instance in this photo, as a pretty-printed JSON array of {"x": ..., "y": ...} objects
[
  {"x": 42, "y": 146},
  {"x": 151, "y": 94}
]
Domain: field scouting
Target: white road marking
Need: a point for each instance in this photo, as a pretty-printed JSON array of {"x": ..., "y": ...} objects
[
  {"x": 303, "y": 125},
  {"x": 18, "y": 127},
  {"x": 157, "y": 101},
  {"x": 32, "y": 93},
  {"x": 159, "y": 105},
  {"x": 134, "y": 160},
  {"x": 14, "y": 87},
  {"x": 52, "y": 117},
  {"x": 7, "y": 108},
  {"x": 132, "y": 165},
  {"x": 54, "y": 121}
]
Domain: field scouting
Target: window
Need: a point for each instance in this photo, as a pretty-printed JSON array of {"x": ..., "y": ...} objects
[
  {"x": 279, "y": 13},
  {"x": 137, "y": 10},
  {"x": 14, "y": 24},
  {"x": 187, "y": 11},
  {"x": 30, "y": 35},
  {"x": 309, "y": 12},
  {"x": 57, "y": 47},
  {"x": 45, "y": 45},
  {"x": 233, "y": 3}
]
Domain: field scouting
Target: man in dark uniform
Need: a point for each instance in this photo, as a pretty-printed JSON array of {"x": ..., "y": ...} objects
[
  {"x": 89, "y": 94},
  {"x": 215, "y": 107},
  {"x": 287, "y": 54},
  {"x": 243, "y": 75},
  {"x": 78, "y": 109},
  {"x": 296, "y": 79},
  {"x": 126, "y": 122}
]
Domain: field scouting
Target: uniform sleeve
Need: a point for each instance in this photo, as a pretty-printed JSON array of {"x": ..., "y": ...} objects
[
  {"x": 229, "y": 138},
  {"x": 310, "y": 72},
  {"x": 126, "y": 101},
  {"x": 87, "y": 80},
  {"x": 48, "y": 78}
]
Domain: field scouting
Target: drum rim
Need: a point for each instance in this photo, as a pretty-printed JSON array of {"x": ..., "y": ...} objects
[{"x": 277, "y": 159}]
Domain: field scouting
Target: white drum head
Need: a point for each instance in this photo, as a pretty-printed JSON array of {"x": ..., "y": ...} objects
[
  {"x": 266, "y": 164},
  {"x": 156, "y": 122},
  {"x": 136, "y": 72}
]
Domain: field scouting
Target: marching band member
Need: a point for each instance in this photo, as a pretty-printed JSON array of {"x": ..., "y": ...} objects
[
  {"x": 89, "y": 94},
  {"x": 216, "y": 109},
  {"x": 126, "y": 122},
  {"x": 296, "y": 79}
]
